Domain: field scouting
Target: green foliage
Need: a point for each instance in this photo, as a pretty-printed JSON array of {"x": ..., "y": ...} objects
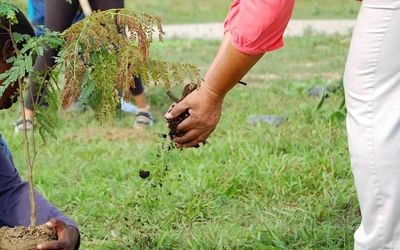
[
  {"x": 251, "y": 187},
  {"x": 100, "y": 58},
  {"x": 340, "y": 113},
  {"x": 22, "y": 64},
  {"x": 46, "y": 120},
  {"x": 97, "y": 58},
  {"x": 259, "y": 187},
  {"x": 8, "y": 10}
]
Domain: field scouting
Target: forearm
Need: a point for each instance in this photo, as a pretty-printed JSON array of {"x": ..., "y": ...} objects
[
  {"x": 252, "y": 28},
  {"x": 228, "y": 67}
]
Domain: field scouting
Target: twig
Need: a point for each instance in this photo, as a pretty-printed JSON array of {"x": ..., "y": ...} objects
[
  {"x": 32, "y": 197},
  {"x": 172, "y": 96}
]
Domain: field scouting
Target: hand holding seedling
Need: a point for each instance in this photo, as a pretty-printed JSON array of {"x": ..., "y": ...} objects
[
  {"x": 67, "y": 236},
  {"x": 203, "y": 107},
  {"x": 193, "y": 117}
]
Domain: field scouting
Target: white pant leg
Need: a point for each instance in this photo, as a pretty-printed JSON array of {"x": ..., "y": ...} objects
[{"x": 372, "y": 88}]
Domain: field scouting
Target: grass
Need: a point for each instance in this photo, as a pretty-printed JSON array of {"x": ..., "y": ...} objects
[
  {"x": 192, "y": 11},
  {"x": 250, "y": 187}
]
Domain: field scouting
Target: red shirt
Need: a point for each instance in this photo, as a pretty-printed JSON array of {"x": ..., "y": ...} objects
[{"x": 257, "y": 26}]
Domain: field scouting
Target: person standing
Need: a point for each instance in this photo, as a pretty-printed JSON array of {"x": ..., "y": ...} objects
[{"x": 372, "y": 92}]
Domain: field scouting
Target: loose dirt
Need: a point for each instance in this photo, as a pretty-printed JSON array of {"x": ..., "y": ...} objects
[
  {"x": 25, "y": 238},
  {"x": 173, "y": 123}
]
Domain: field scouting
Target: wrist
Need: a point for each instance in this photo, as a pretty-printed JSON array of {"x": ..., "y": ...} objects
[
  {"x": 211, "y": 92},
  {"x": 75, "y": 236}
]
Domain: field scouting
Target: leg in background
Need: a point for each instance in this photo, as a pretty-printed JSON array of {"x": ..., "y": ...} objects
[
  {"x": 143, "y": 115},
  {"x": 59, "y": 16}
]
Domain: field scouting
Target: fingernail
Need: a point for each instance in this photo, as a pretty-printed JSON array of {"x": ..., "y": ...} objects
[{"x": 168, "y": 115}]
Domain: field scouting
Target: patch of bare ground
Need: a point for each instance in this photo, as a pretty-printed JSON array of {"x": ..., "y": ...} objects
[
  {"x": 257, "y": 80},
  {"x": 113, "y": 134},
  {"x": 25, "y": 238}
]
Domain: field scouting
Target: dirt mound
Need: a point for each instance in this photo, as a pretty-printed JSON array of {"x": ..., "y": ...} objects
[{"x": 25, "y": 238}]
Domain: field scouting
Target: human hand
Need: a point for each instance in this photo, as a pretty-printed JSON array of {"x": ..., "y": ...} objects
[
  {"x": 204, "y": 108},
  {"x": 67, "y": 236}
]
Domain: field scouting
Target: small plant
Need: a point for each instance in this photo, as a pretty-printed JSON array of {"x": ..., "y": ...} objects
[
  {"x": 340, "y": 113},
  {"x": 98, "y": 38}
]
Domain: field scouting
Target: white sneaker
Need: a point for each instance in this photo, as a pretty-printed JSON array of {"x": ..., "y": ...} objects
[
  {"x": 143, "y": 119},
  {"x": 19, "y": 125}
]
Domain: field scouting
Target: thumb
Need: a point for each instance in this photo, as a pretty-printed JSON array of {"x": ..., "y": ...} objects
[
  {"x": 176, "y": 110},
  {"x": 49, "y": 245}
]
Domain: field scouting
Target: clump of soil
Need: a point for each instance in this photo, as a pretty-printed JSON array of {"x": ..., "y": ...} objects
[
  {"x": 144, "y": 174},
  {"x": 25, "y": 238},
  {"x": 173, "y": 123}
]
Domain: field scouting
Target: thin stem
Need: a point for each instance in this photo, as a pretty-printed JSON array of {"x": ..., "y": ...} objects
[
  {"x": 29, "y": 162},
  {"x": 169, "y": 93}
]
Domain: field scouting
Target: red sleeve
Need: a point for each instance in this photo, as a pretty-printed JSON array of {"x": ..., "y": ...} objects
[{"x": 257, "y": 26}]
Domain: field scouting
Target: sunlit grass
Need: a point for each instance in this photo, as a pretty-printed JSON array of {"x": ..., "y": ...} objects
[
  {"x": 251, "y": 187},
  {"x": 192, "y": 11}
]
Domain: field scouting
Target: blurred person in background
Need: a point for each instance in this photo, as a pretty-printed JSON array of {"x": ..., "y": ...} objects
[{"x": 58, "y": 15}]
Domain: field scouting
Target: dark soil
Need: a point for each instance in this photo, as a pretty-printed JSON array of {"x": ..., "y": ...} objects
[
  {"x": 25, "y": 238},
  {"x": 173, "y": 123},
  {"x": 144, "y": 174}
]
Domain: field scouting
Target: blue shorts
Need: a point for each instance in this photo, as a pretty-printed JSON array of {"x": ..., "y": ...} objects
[{"x": 36, "y": 13}]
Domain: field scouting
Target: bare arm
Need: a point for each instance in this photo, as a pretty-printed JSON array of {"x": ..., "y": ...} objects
[
  {"x": 205, "y": 104},
  {"x": 228, "y": 67},
  {"x": 252, "y": 28}
]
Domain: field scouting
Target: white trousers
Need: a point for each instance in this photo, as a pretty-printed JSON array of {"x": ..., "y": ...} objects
[{"x": 372, "y": 89}]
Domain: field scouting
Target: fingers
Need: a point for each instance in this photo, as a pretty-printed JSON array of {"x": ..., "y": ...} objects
[
  {"x": 190, "y": 133},
  {"x": 200, "y": 116},
  {"x": 52, "y": 223},
  {"x": 169, "y": 109},
  {"x": 196, "y": 129},
  {"x": 67, "y": 236},
  {"x": 175, "y": 110},
  {"x": 54, "y": 245},
  {"x": 57, "y": 225},
  {"x": 192, "y": 139},
  {"x": 187, "y": 124}
]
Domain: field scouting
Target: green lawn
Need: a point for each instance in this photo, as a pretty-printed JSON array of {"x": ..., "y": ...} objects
[
  {"x": 193, "y": 11},
  {"x": 251, "y": 187}
]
